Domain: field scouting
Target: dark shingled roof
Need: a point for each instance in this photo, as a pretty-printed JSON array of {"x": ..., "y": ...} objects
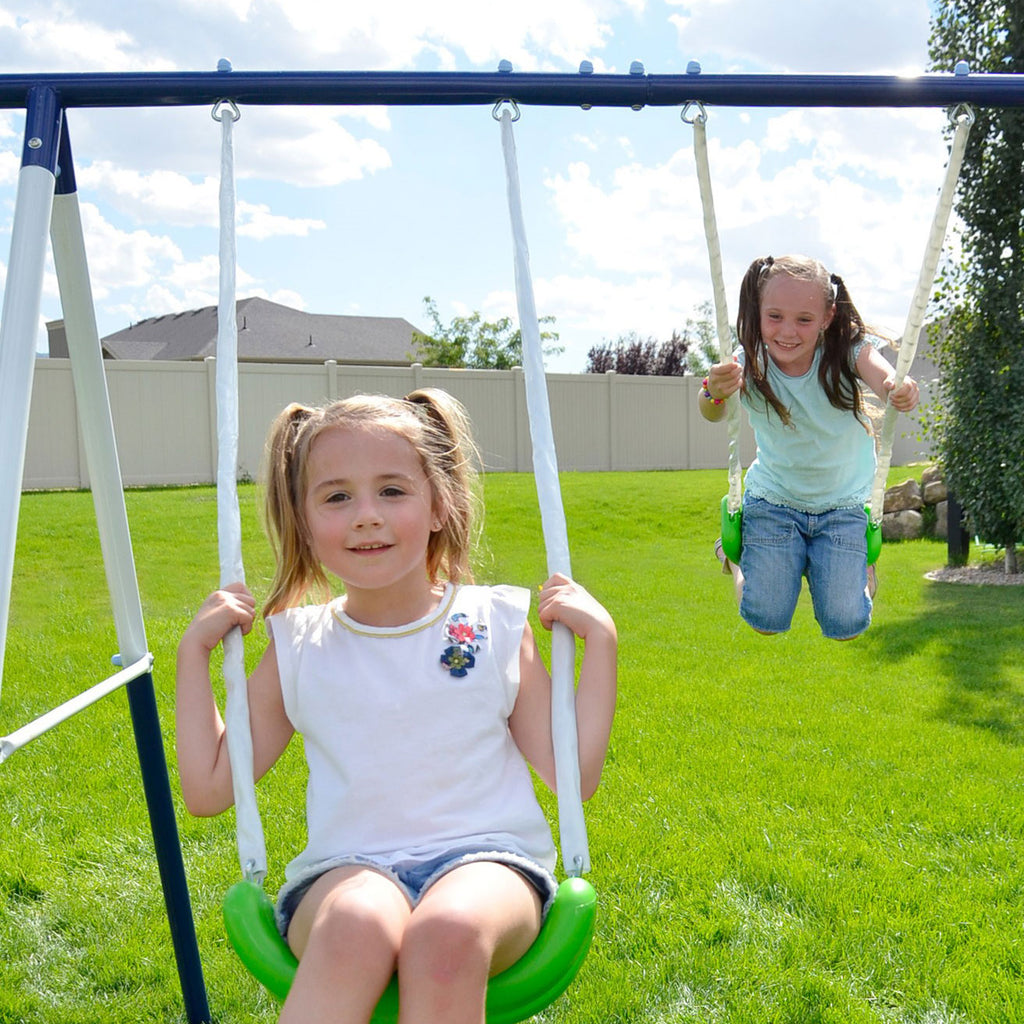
[{"x": 268, "y": 332}]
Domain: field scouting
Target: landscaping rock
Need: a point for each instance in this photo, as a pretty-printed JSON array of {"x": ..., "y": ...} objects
[
  {"x": 903, "y": 497},
  {"x": 934, "y": 491},
  {"x": 907, "y": 524}
]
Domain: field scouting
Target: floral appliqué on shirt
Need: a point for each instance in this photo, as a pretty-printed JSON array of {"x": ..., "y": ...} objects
[{"x": 463, "y": 641}]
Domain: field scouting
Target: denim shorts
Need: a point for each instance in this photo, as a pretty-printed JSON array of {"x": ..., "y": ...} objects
[
  {"x": 414, "y": 877},
  {"x": 782, "y": 545}
]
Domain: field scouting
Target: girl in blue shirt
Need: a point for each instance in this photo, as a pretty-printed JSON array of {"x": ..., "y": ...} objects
[{"x": 804, "y": 353}]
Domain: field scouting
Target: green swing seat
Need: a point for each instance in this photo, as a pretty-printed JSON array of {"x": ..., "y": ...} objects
[{"x": 541, "y": 975}]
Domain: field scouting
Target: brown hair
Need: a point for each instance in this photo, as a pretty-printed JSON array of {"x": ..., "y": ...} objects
[
  {"x": 836, "y": 371},
  {"x": 431, "y": 420}
]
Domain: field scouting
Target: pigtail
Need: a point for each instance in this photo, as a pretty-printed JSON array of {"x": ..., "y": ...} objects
[
  {"x": 296, "y": 569},
  {"x": 748, "y": 330},
  {"x": 450, "y": 459},
  {"x": 837, "y": 371}
]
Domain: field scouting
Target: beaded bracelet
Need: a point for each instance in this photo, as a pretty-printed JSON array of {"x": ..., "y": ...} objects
[{"x": 707, "y": 394}]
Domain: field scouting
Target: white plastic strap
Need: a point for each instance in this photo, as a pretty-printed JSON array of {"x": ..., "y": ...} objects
[
  {"x": 964, "y": 118},
  {"x": 572, "y": 827},
  {"x": 732, "y": 405},
  {"x": 252, "y": 853}
]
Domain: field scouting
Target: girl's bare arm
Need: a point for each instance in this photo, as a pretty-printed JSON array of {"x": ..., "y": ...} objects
[{"x": 203, "y": 765}]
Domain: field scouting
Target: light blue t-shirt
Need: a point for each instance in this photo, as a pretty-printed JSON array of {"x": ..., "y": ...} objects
[{"x": 824, "y": 459}]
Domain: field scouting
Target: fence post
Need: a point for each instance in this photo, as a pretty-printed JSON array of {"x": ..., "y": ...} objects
[
  {"x": 522, "y": 450},
  {"x": 211, "y": 412},
  {"x": 610, "y": 377}
]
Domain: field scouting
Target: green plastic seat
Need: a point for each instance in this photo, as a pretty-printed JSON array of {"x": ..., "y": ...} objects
[{"x": 539, "y": 977}]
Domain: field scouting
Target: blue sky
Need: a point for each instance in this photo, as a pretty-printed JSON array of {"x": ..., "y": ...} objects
[{"x": 368, "y": 210}]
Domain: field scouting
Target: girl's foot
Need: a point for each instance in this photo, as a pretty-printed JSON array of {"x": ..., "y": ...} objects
[{"x": 720, "y": 555}]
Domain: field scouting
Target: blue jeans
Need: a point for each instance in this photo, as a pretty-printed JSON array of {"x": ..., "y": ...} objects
[{"x": 782, "y": 545}]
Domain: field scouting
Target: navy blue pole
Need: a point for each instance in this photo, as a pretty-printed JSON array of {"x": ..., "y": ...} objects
[
  {"x": 155, "y": 782},
  {"x": 42, "y": 127},
  {"x": 429, "y": 88}
]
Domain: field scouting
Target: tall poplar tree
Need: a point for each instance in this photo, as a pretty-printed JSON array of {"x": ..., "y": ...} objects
[{"x": 979, "y": 423}]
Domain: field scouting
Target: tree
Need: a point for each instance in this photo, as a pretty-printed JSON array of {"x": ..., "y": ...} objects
[
  {"x": 978, "y": 425},
  {"x": 703, "y": 337},
  {"x": 691, "y": 350},
  {"x": 475, "y": 343},
  {"x": 627, "y": 354}
]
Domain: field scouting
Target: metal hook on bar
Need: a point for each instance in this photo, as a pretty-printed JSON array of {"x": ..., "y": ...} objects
[
  {"x": 497, "y": 112},
  {"x": 216, "y": 112},
  {"x": 701, "y": 116},
  {"x": 963, "y": 112}
]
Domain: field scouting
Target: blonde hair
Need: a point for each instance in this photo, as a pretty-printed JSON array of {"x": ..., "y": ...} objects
[{"x": 432, "y": 421}]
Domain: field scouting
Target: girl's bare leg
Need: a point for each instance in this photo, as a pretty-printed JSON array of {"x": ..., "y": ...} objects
[
  {"x": 472, "y": 923},
  {"x": 346, "y": 932}
]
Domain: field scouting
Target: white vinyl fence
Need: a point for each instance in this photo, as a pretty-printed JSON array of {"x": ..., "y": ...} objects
[{"x": 165, "y": 418}]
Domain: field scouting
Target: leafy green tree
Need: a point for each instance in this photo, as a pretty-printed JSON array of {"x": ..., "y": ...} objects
[
  {"x": 474, "y": 343},
  {"x": 978, "y": 424},
  {"x": 703, "y": 338}
]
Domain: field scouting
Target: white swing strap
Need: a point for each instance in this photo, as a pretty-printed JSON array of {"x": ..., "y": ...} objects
[
  {"x": 694, "y": 114},
  {"x": 963, "y": 117},
  {"x": 572, "y": 827},
  {"x": 252, "y": 854}
]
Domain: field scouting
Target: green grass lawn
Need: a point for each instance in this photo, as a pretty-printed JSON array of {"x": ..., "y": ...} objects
[{"x": 789, "y": 828}]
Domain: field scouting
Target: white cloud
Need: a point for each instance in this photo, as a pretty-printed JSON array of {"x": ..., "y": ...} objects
[
  {"x": 303, "y": 147},
  {"x": 402, "y": 32},
  {"x": 156, "y": 197},
  {"x": 9, "y": 168},
  {"x": 124, "y": 259},
  {"x": 637, "y": 224},
  {"x": 172, "y": 199},
  {"x": 42, "y": 37},
  {"x": 806, "y": 36},
  {"x": 257, "y": 221}
]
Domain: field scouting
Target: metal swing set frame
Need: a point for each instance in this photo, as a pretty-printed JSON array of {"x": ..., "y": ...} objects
[{"x": 46, "y": 210}]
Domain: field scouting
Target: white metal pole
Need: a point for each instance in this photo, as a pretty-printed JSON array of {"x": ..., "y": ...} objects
[
  {"x": 97, "y": 425},
  {"x": 19, "y": 323}
]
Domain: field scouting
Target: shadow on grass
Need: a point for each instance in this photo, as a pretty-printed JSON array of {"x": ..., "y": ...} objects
[{"x": 971, "y": 638}]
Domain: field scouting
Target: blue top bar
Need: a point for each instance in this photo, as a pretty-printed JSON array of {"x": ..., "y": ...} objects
[{"x": 361, "y": 88}]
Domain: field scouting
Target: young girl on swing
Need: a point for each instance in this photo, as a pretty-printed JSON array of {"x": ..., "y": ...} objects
[
  {"x": 804, "y": 352},
  {"x": 420, "y": 698}
]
